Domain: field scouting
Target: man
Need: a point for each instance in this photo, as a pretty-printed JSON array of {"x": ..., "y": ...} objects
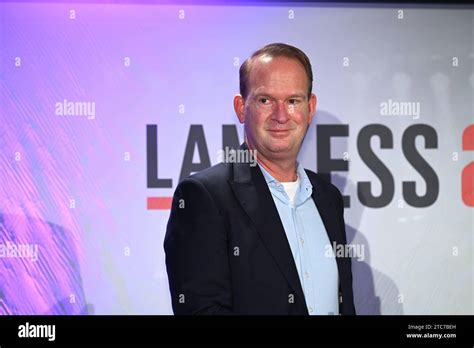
[{"x": 256, "y": 239}]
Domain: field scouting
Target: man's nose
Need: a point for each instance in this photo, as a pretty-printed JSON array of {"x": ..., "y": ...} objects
[{"x": 281, "y": 113}]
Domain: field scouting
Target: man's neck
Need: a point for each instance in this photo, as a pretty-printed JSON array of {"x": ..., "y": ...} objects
[{"x": 283, "y": 171}]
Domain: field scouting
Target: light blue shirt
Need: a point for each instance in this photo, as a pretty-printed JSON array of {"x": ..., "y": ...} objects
[{"x": 309, "y": 243}]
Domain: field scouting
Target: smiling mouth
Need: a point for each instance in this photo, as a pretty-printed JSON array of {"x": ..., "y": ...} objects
[{"x": 279, "y": 133}]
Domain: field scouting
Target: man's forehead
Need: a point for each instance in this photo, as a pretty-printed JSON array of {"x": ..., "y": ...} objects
[
  {"x": 264, "y": 82},
  {"x": 276, "y": 68},
  {"x": 266, "y": 60}
]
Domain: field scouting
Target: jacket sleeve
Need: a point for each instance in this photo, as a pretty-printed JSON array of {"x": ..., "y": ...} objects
[{"x": 197, "y": 253}]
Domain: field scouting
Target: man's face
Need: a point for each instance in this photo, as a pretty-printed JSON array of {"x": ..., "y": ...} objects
[{"x": 277, "y": 112}]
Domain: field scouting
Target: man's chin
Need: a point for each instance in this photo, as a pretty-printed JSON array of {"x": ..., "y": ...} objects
[
  {"x": 276, "y": 148},
  {"x": 280, "y": 149}
]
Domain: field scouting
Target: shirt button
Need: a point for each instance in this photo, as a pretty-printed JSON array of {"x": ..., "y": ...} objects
[
  {"x": 302, "y": 240},
  {"x": 306, "y": 274},
  {"x": 311, "y": 309}
]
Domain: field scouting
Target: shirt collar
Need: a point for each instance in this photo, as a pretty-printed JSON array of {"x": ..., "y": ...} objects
[{"x": 305, "y": 183}]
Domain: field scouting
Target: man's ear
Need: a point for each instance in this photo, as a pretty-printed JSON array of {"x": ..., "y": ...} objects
[
  {"x": 313, "y": 101},
  {"x": 239, "y": 107}
]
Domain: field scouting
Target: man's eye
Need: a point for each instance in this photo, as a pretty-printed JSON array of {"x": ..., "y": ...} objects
[
  {"x": 264, "y": 101},
  {"x": 294, "y": 101}
]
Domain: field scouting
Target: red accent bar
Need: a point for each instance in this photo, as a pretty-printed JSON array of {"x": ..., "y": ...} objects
[
  {"x": 468, "y": 138},
  {"x": 159, "y": 203}
]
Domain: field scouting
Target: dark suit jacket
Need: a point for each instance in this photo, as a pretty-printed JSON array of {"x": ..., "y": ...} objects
[{"x": 227, "y": 251}]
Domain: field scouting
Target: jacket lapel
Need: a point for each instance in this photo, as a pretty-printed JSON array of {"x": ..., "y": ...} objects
[
  {"x": 328, "y": 212},
  {"x": 253, "y": 194}
]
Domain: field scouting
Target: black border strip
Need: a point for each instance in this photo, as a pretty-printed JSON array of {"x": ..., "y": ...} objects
[{"x": 136, "y": 330}]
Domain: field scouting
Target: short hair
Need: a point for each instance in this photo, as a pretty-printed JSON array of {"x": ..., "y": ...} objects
[{"x": 275, "y": 50}]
